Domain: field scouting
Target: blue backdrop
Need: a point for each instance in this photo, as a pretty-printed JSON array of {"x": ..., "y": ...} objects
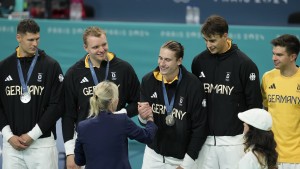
[{"x": 250, "y": 12}]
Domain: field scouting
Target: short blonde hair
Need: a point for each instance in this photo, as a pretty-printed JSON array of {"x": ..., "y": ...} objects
[
  {"x": 92, "y": 31},
  {"x": 104, "y": 94}
]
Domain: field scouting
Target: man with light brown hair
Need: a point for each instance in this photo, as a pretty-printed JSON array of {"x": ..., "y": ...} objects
[{"x": 97, "y": 65}]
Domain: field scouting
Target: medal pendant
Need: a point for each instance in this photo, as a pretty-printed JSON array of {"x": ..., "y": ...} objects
[
  {"x": 170, "y": 121},
  {"x": 25, "y": 97}
]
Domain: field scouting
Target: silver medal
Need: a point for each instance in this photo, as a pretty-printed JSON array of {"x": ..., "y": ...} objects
[
  {"x": 170, "y": 121},
  {"x": 25, "y": 97}
]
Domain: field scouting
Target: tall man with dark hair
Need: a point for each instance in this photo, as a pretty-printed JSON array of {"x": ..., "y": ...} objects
[
  {"x": 281, "y": 97},
  {"x": 232, "y": 84},
  {"x": 30, "y": 90}
]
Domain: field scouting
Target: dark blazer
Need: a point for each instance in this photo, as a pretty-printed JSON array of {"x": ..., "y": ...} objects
[{"x": 102, "y": 141}]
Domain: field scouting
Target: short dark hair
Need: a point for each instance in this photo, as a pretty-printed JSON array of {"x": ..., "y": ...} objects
[
  {"x": 290, "y": 42},
  {"x": 175, "y": 47},
  {"x": 214, "y": 25},
  {"x": 28, "y": 25}
]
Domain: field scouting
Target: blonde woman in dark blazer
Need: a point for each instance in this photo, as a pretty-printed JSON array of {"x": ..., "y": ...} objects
[{"x": 102, "y": 138}]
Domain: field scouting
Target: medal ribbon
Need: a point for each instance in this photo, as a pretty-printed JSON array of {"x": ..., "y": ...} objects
[
  {"x": 170, "y": 105},
  {"x": 94, "y": 74},
  {"x": 20, "y": 72}
]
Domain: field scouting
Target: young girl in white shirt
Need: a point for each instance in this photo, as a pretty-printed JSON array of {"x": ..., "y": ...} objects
[{"x": 259, "y": 140}]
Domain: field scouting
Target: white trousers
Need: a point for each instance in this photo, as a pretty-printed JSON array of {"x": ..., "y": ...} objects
[
  {"x": 289, "y": 166},
  {"x": 219, "y": 157},
  {"x": 152, "y": 160},
  {"x": 44, "y": 156}
]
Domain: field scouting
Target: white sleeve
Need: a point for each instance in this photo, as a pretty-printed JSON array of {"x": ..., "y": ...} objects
[
  {"x": 0, "y": 147},
  {"x": 188, "y": 162},
  {"x": 7, "y": 133},
  {"x": 35, "y": 133},
  {"x": 142, "y": 120},
  {"x": 70, "y": 145}
]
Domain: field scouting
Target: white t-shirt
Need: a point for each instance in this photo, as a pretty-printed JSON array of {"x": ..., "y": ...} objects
[{"x": 249, "y": 161}]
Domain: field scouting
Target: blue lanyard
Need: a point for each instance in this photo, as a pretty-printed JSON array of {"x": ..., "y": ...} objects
[
  {"x": 20, "y": 72},
  {"x": 170, "y": 105},
  {"x": 94, "y": 74}
]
